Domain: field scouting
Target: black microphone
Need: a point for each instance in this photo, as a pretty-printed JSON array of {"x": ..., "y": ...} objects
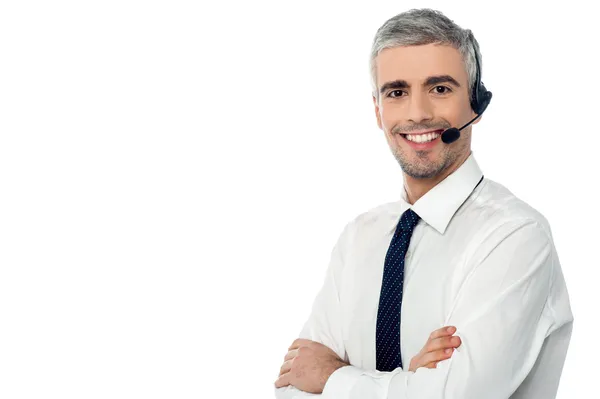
[{"x": 452, "y": 134}]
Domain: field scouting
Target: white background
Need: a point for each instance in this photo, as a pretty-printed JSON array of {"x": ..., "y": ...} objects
[{"x": 173, "y": 176}]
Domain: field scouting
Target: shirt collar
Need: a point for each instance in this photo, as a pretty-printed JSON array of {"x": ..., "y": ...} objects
[{"x": 440, "y": 203}]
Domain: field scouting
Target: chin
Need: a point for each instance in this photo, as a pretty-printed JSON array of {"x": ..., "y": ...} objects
[{"x": 418, "y": 168}]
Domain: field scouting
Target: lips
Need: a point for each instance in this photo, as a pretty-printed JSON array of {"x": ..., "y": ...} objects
[
  {"x": 418, "y": 134},
  {"x": 424, "y": 145}
]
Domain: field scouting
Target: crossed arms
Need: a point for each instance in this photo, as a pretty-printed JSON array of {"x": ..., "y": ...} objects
[{"x": 500, "y": 337}]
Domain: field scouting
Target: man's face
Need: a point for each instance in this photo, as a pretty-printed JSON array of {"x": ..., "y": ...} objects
[{"x": 423, "y": 88}]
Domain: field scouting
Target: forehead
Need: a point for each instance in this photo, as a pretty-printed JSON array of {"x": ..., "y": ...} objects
[{"x": 415, "y": 63}]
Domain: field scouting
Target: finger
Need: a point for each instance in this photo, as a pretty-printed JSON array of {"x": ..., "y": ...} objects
[
  {"x": 436, "y": 356},
  {"x": 443, "y": 343},
  {"x": 283, "y": 380},
  {"x": 424, "y": 359},
  {"x": 431, "y": 365},
  {"x": 291, "y": 354},
  {"x": 285, "y": 367},
  {"x": 442, "y": 332},
  {"x": 298, "y": 343}
]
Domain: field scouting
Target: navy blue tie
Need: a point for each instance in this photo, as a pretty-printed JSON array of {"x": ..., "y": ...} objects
[{"x": 390, "y": 299}]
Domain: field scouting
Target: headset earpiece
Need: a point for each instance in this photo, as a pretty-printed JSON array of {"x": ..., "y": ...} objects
[
  {"x": 481, "y": 97},
  {"x": 483, "y": 100}
]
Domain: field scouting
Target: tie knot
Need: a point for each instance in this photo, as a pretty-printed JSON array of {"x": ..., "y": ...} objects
[{"x": 409, "y": 220}]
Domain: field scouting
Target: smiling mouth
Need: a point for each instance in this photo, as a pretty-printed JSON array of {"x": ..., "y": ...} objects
[{"x": 422, "y": 137}]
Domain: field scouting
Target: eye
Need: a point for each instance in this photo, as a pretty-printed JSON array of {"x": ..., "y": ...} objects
[
  {"x": 395, "y": 91},
  {"x": 445, "y": 90}
]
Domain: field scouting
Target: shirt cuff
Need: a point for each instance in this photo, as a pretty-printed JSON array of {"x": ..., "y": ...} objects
[{"x": 340, "y": 382}]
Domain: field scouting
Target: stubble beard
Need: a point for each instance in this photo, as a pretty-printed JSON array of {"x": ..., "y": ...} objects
[{"x": 421, "y": 166}]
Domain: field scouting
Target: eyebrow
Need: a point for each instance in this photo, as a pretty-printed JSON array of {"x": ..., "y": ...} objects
[{"x": 431, "y": 80}]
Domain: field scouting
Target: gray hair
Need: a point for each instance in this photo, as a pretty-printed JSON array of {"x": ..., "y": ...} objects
[{"x": 425, "y": 26}]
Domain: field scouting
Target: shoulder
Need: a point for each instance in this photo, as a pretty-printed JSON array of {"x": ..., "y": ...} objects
[
  {"x": 376, "y": 217},
  {"x": 495, "y": 208},
  {"x": 369, "y": 225}
]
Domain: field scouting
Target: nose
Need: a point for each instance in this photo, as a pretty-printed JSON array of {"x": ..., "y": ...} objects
[{"x": 419, "y": 108}]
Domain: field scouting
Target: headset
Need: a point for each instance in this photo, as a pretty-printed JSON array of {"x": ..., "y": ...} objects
[{"x": 480, "y": 99}]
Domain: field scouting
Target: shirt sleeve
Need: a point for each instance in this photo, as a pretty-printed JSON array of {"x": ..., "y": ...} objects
[
  {"x": 324, "y": 323},
  {"x": 502, "y": 318},
  {"x": 291, "y": 392}
]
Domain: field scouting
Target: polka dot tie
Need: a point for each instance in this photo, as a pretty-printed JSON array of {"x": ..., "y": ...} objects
[{"x": 390, "y": 299}]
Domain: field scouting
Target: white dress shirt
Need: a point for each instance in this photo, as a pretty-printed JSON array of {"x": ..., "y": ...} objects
[{"x": 479, "y": 259}]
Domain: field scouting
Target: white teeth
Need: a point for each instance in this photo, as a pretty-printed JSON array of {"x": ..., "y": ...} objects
[{"x": 422, "y": 138}]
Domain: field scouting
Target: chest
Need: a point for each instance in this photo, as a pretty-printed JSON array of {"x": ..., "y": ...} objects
[{"x": 433, "y": 271}]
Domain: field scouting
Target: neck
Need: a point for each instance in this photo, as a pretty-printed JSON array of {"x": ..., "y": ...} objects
[{"x": 416, "y": 188}]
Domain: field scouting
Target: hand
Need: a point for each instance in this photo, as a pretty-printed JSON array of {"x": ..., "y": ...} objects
[
  {"x": 308, "y": 365},
  {"x": 438, "y": 347}
]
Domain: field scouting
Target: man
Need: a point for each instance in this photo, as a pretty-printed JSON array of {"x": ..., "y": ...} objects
[{"x": 457, "y": 250}]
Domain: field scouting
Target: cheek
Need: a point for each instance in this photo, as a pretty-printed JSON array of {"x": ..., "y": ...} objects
[
  {"x": 389, "y": 118},
  {"x": 461, "y": 113}
]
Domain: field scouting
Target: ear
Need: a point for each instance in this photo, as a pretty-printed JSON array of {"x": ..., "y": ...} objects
[{"x": 377, "y": 114}]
